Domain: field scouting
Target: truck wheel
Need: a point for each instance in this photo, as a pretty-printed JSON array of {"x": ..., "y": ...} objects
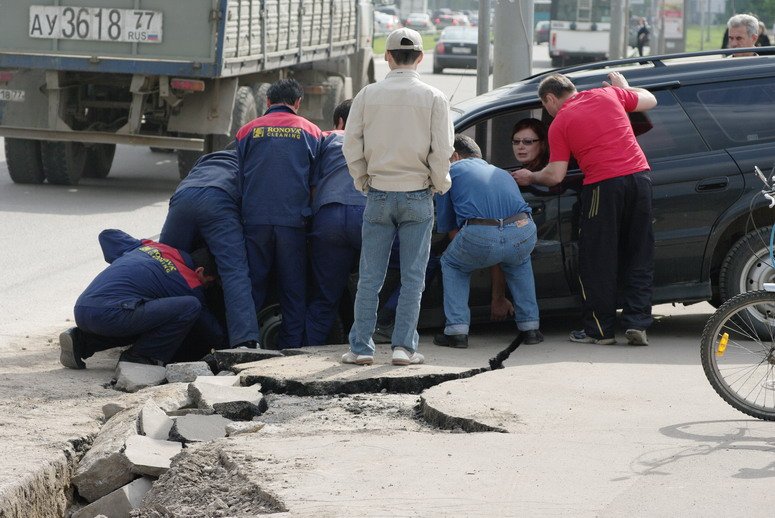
[
  {"x": 259, "y": 94},
  {"x": 63, "y": 162},
  {"x": 23, "y": 158},
  {"x": 333, "y": 97},
  {"x": 244, "y": 111},
  {"x": 99, "y": 159},
  {"x": 747, "y": 265},
  {"x": 186, "y": 160}
]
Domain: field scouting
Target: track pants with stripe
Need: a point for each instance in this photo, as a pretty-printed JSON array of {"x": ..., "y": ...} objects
[{"x": 616, "y": 254}]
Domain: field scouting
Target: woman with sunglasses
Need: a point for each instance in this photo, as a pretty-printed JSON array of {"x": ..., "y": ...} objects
[{"x": 529, "y": 143}]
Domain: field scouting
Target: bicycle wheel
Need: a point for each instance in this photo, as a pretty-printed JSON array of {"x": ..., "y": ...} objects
[{"x": 738, "y": 353}]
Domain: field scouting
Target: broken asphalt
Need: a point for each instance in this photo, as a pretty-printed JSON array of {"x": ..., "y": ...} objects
[{"x": 565, "y": 429}]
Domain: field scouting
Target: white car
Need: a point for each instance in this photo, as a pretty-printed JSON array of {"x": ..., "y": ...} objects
[{"x": 385, "y": 23}]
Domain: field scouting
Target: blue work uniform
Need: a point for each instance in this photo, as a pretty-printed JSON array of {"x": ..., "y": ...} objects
[
  {"x": 206, "y": 206},
  {"x": 335, "y": 240},
  {"x": 276, "y": 152},
  {"x": 149, "y": 296},
  {"x": 481, "y": 197}
]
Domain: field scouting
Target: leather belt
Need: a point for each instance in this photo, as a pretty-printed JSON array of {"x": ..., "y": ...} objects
[{"x": 498, "y": 222}]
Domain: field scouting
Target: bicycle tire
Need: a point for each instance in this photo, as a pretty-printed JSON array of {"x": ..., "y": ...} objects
[{"x": 741, "y": 367}]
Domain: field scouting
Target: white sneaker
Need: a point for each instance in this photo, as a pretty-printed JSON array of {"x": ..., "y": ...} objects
[
  {"x": 357, "y": 359},
  {"x": 402, "y": 356},
  {"x": 636, "y": 337}
]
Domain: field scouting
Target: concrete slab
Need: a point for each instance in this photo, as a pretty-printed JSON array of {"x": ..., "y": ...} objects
[
  {"x": 131, "y": 377},
  {"x": 154, "y": 422},
  {"x": 227, "y": 358},
  {"x": 238, "y": 403},
  {"x": 149, "y": 456},
  {"x": 322, "y": 373},
  {"x": 198, "y": 428},
  {"x": 187, "y": 371},
  {"x": 119, "y": 503}
]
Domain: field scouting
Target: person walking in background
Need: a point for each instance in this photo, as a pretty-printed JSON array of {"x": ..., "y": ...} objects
[
  {"x": 643, "y": 36},
  {"x": 276, "y": 152},
  {"x": 205, "y": 211},
  {"x": 616, "y": 238},
  {"x": 397, "y": 145},
  {"x": 335, "y": 241},
  {"x": 762, "y": 39},
  {"x": 489, "y": 223}
]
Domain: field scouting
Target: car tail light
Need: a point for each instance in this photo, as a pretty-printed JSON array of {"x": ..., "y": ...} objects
[
  {"x": 554, "y": 39},
  {"x": 454, "y": 22},
  {"x": 5, "y": 76},
  {"x": 439, "y": 48},
  {"x": 437, "y": 21},
  {"x": 191, "y": 85}
]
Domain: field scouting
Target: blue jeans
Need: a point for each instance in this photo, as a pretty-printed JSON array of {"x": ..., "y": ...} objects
[
  {"x": 211, "y": 214},
  {"x": 335, "y": 244},
  {"x": 411, "y": 215},
  {"x": 478, "y": 246}
]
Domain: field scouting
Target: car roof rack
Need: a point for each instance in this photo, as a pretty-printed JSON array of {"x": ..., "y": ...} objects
[{"x": 656, "y": 61}]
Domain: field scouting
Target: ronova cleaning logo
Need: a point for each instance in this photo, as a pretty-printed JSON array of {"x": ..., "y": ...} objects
[{"x": 277, "y": 132}]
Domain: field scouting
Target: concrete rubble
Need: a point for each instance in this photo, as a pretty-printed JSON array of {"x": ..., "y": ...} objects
[
  {"x": 187, "y": 371},
  {"x": 236, "y": 403},
  {"x": 119, "y": 503},
  {"x": 154, "y": 422},
  {"x": 131, "y": 377},
  {"x": 198, "y": 428},
  {"x": 149, "y": 456},
  {"x": 227, "y": 358}
]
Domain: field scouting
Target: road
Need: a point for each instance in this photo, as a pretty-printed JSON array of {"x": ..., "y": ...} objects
[{"x": 49, "y": 232}]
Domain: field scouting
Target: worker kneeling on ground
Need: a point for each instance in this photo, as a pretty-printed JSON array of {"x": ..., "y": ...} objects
[{"x": 151, "y": 296}]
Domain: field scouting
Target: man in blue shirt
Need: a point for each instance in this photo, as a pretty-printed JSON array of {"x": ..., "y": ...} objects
[
  {"x": 206, "y": 207},
  {"x": 489, "y": 223},
  {"x": 276, "y": 152},
  {"x": 150, "y": 296},
  {"x": 335, "y": 241}
]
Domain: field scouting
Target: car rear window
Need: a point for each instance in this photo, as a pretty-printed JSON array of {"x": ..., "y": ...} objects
[{"x": 733, "y": 113}]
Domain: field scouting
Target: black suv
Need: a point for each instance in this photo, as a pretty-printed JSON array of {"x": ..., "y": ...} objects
[{"x": 712, "y": 125}]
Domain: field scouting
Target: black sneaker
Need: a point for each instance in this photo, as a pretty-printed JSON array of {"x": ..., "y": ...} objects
[
  {"x": 533, "y": 336},
  {"x": 455, "y": 341},
  {"x": 71, "y": 349},
  {"x": 131, "y": 357}
]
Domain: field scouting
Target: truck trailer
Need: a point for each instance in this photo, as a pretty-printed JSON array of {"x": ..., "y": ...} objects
[{"x": 78, "y": 77}]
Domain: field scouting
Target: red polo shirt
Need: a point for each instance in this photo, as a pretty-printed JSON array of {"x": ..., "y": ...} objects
[{"x": 593, "y": 127}]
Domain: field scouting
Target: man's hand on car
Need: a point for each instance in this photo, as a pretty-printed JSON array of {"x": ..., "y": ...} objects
[{"x": 617, "y": 79}]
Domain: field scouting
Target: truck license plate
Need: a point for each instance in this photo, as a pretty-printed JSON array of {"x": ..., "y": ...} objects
[
  {"x": 95, "y": 23},
  {"x": 12, "y": 95}
]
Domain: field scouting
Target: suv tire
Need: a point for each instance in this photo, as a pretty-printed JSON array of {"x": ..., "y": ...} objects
[{"x": 746, "y": 267}]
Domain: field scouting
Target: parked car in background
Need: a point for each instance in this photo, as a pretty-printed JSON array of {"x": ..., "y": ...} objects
[
  {"x": 421, "y": 22},
  {"x": 385, "y": 23},
  {"x": 542, "y": 32},
  {"x": 457, "y": 48},
  {"x": 451, "y": 20}
]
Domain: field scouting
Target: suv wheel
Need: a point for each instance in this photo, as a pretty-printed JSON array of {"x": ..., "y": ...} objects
[{"x": 747, "y": 265}]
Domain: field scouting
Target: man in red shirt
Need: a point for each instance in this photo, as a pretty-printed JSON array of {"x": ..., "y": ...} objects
[{"x": 616, "y": 239}]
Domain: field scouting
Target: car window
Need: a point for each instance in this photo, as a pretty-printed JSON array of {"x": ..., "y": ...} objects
[
  {"x": 666, "y": 129},
  {"x": 494, "y": 136},
  {"x": 732, "y": 113}
]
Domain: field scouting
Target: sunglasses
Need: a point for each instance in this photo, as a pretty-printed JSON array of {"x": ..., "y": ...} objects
[{"x": 525, "y": 141}]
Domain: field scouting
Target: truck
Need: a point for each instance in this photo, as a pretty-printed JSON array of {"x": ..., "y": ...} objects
[{"x": 78, "y": 77}]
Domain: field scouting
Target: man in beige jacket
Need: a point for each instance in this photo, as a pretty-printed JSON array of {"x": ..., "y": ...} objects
[{"x": 397, "y": 146}]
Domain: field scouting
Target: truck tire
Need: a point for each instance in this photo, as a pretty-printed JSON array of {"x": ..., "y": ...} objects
[
  {"x": 243, "y": 112},
  {"x": 259, "y": 94},
  {"x": 747, "y": 265},
  {"x": 186, "y": 160},
  {"x": 99, "y": 159},
  {"x": 23, "y": 159},
  {"x": 63, "y": 162},
  {"x": 334, "y": 96}
]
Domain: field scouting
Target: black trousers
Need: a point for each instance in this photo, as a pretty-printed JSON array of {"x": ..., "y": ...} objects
[{"x": 616, "y": 253}]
